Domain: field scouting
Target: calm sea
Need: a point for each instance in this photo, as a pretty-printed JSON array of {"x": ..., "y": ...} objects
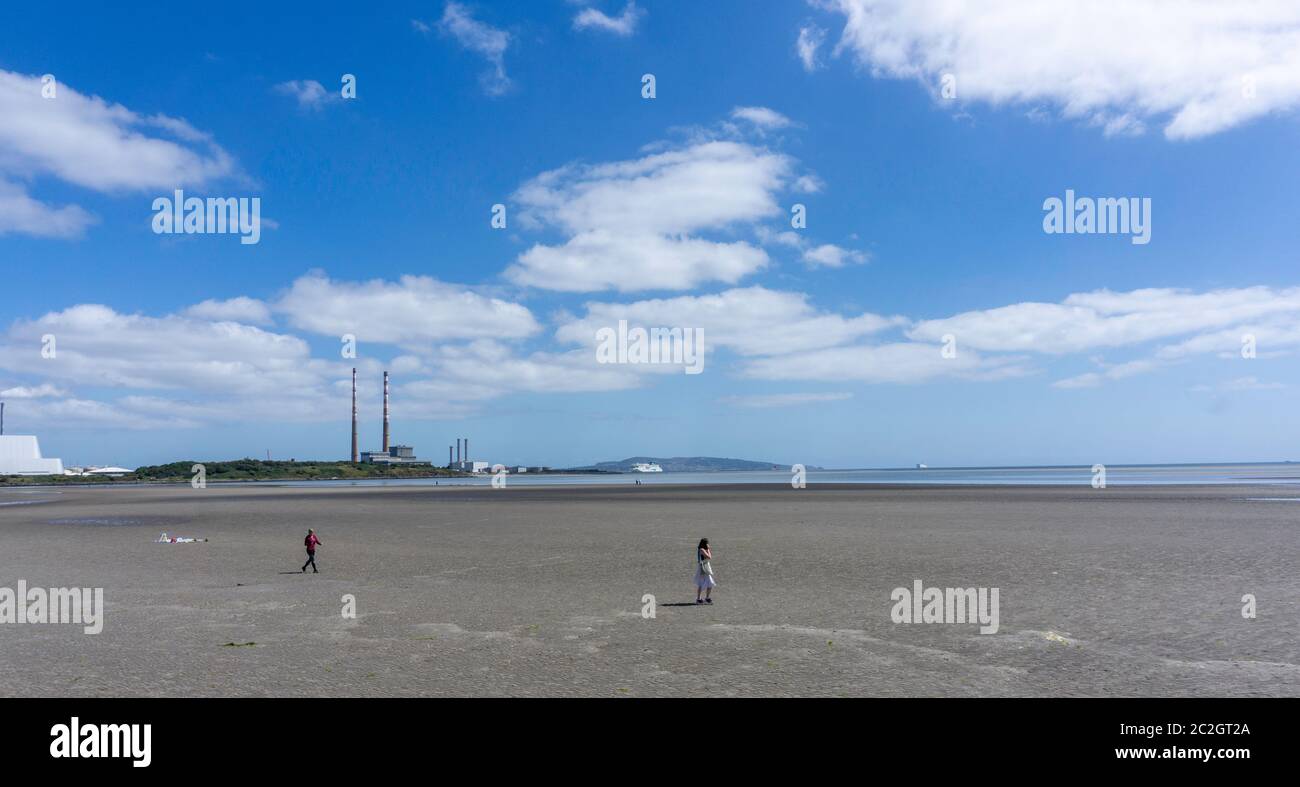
[{"x": 1116, "y": 475}]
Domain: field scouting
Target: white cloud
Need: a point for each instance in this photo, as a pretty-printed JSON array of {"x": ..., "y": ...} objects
[
  {"x": 42, "y": 391},
  {"x": 898, "y": 362},
  {"x": 1240, "y": 384},
  {"x": 494, "y": 370},
  {"x": 87, "y": 142},
  {"x": 828, "y": 255},
  {"x": 309, "y": 93},
  {"x": 634, "y": 261},
  {"x": 241, "y": 309},
  {"x": 1220, "y": 322},
  {"x": 20, "y": 213},
  {"x": 97, "y": 346},
  {"x": 701, "y": 186},
  {"x": 749, "y": 321},
  {"x": 1273, "y": 336},
  {"x": 174, "y": 371},
  {"x": 415, "y": 309},
  {"x": 1103, "y": 318},
  {"x": 480, "y": 38},
  {"x": 182, "y": 371},
  {"x": 1186, "y": 64},
  {"x": 762, "y": 117},
  {"x": 630, "y": 223},
  {"x": 129, "y": 413},
  {"x": 808, "y": 184},
  {"x": 810, "y": 40},
  {"x": 787, "y": 238},
  {"x": 764, "y": 401},
  {"x": 209, "y": 364},
  {"x": 1111, "y": 372},
  {"x": 822, "y": 255},
  {"x": 622, "y": 25}
]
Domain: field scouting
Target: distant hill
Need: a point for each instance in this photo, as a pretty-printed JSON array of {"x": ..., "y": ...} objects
[{"x": 685, "y": 464}]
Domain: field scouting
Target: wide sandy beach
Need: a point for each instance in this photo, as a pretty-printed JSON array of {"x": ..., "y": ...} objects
[{"x": 538, "y": 591}]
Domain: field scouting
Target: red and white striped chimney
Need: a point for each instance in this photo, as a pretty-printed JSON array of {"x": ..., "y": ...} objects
[
  {"x": 355, "y": 457},
  {"x": 385, "y": 412}
]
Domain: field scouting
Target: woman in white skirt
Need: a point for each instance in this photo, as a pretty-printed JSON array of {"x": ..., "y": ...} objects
[{"x": 704, "y": 582}]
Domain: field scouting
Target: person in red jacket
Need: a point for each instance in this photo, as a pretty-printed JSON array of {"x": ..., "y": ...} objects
[{"x": 311, "y": 542}]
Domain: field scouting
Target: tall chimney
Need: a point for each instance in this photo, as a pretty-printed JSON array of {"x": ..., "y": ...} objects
[
  {"x": 355, "y": 457},
  {"x": 466, "y": 449},
  {"x": 2, "y": 418},
  {"x": 449, "y": 462},
  {"x": 457, "y": 450},
  {"x": 385, "y": 412}
]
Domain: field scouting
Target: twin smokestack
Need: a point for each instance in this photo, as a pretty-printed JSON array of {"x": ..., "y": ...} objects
[
  {"x": 355, "y": 456},
  {"x": 458, "y": 455}
]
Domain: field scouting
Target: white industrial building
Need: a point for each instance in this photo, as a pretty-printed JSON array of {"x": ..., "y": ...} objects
[{"x": 21, "y": 455}]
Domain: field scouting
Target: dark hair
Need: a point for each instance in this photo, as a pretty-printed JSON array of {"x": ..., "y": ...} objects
[{"x": 704, "y": 544}]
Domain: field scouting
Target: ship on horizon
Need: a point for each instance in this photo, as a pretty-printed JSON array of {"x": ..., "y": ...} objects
[{"x": 646, "y": 467}]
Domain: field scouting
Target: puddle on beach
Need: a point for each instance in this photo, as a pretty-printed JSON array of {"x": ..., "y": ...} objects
[
  {"x": 120, "y": 521},
  {"x": 47, "y": 497}
]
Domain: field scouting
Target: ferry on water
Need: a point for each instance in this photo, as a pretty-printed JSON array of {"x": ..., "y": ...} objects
[{"x": 646, "y": 467}]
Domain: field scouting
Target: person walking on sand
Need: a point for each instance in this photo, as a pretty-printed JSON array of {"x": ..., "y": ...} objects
[
  {"x": 704, "y": 581},
  {"x": 311, "y": 542}
]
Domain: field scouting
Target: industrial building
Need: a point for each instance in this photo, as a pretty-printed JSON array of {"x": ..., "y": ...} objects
[
  {"x": 21, "y": 455},
  {"x": 396, "y": 455},
  {"x": 112, "y": 472},
  {"x": 461, "y": 461},
  {"x": 457, "y": 456},
  {"x": 390, "y": 454}
]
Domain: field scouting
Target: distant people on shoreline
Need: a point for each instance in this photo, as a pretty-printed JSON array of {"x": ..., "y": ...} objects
[
  {"x": 311, "y": 542},
  {"x": 704, "y": 582}
]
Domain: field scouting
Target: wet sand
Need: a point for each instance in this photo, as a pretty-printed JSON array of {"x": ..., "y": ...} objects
[{"x": 538, "y": 591}]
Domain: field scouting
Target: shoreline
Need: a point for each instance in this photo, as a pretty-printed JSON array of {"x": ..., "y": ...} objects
[
  {"x": 308, "y": 474},
  {"x": 1273, "y": 485}
]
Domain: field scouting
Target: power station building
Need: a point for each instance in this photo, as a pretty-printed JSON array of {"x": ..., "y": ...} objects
[
  {"x": 397, "y": 455},
  {"x": 457, "y": 459},
  {"x": 390, "y": 454},
  {"x": 21, "y": 455},
  {"x": 461, "y": 461}
]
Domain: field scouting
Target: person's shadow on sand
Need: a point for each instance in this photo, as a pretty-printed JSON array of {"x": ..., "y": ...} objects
[{"x": 682, "y": 604}]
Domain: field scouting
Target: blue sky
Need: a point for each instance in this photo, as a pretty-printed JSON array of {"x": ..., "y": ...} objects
[{"x": 823, "y": 344}]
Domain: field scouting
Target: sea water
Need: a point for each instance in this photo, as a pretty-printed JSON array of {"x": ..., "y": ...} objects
[{"x": 1116, "y": 475}]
